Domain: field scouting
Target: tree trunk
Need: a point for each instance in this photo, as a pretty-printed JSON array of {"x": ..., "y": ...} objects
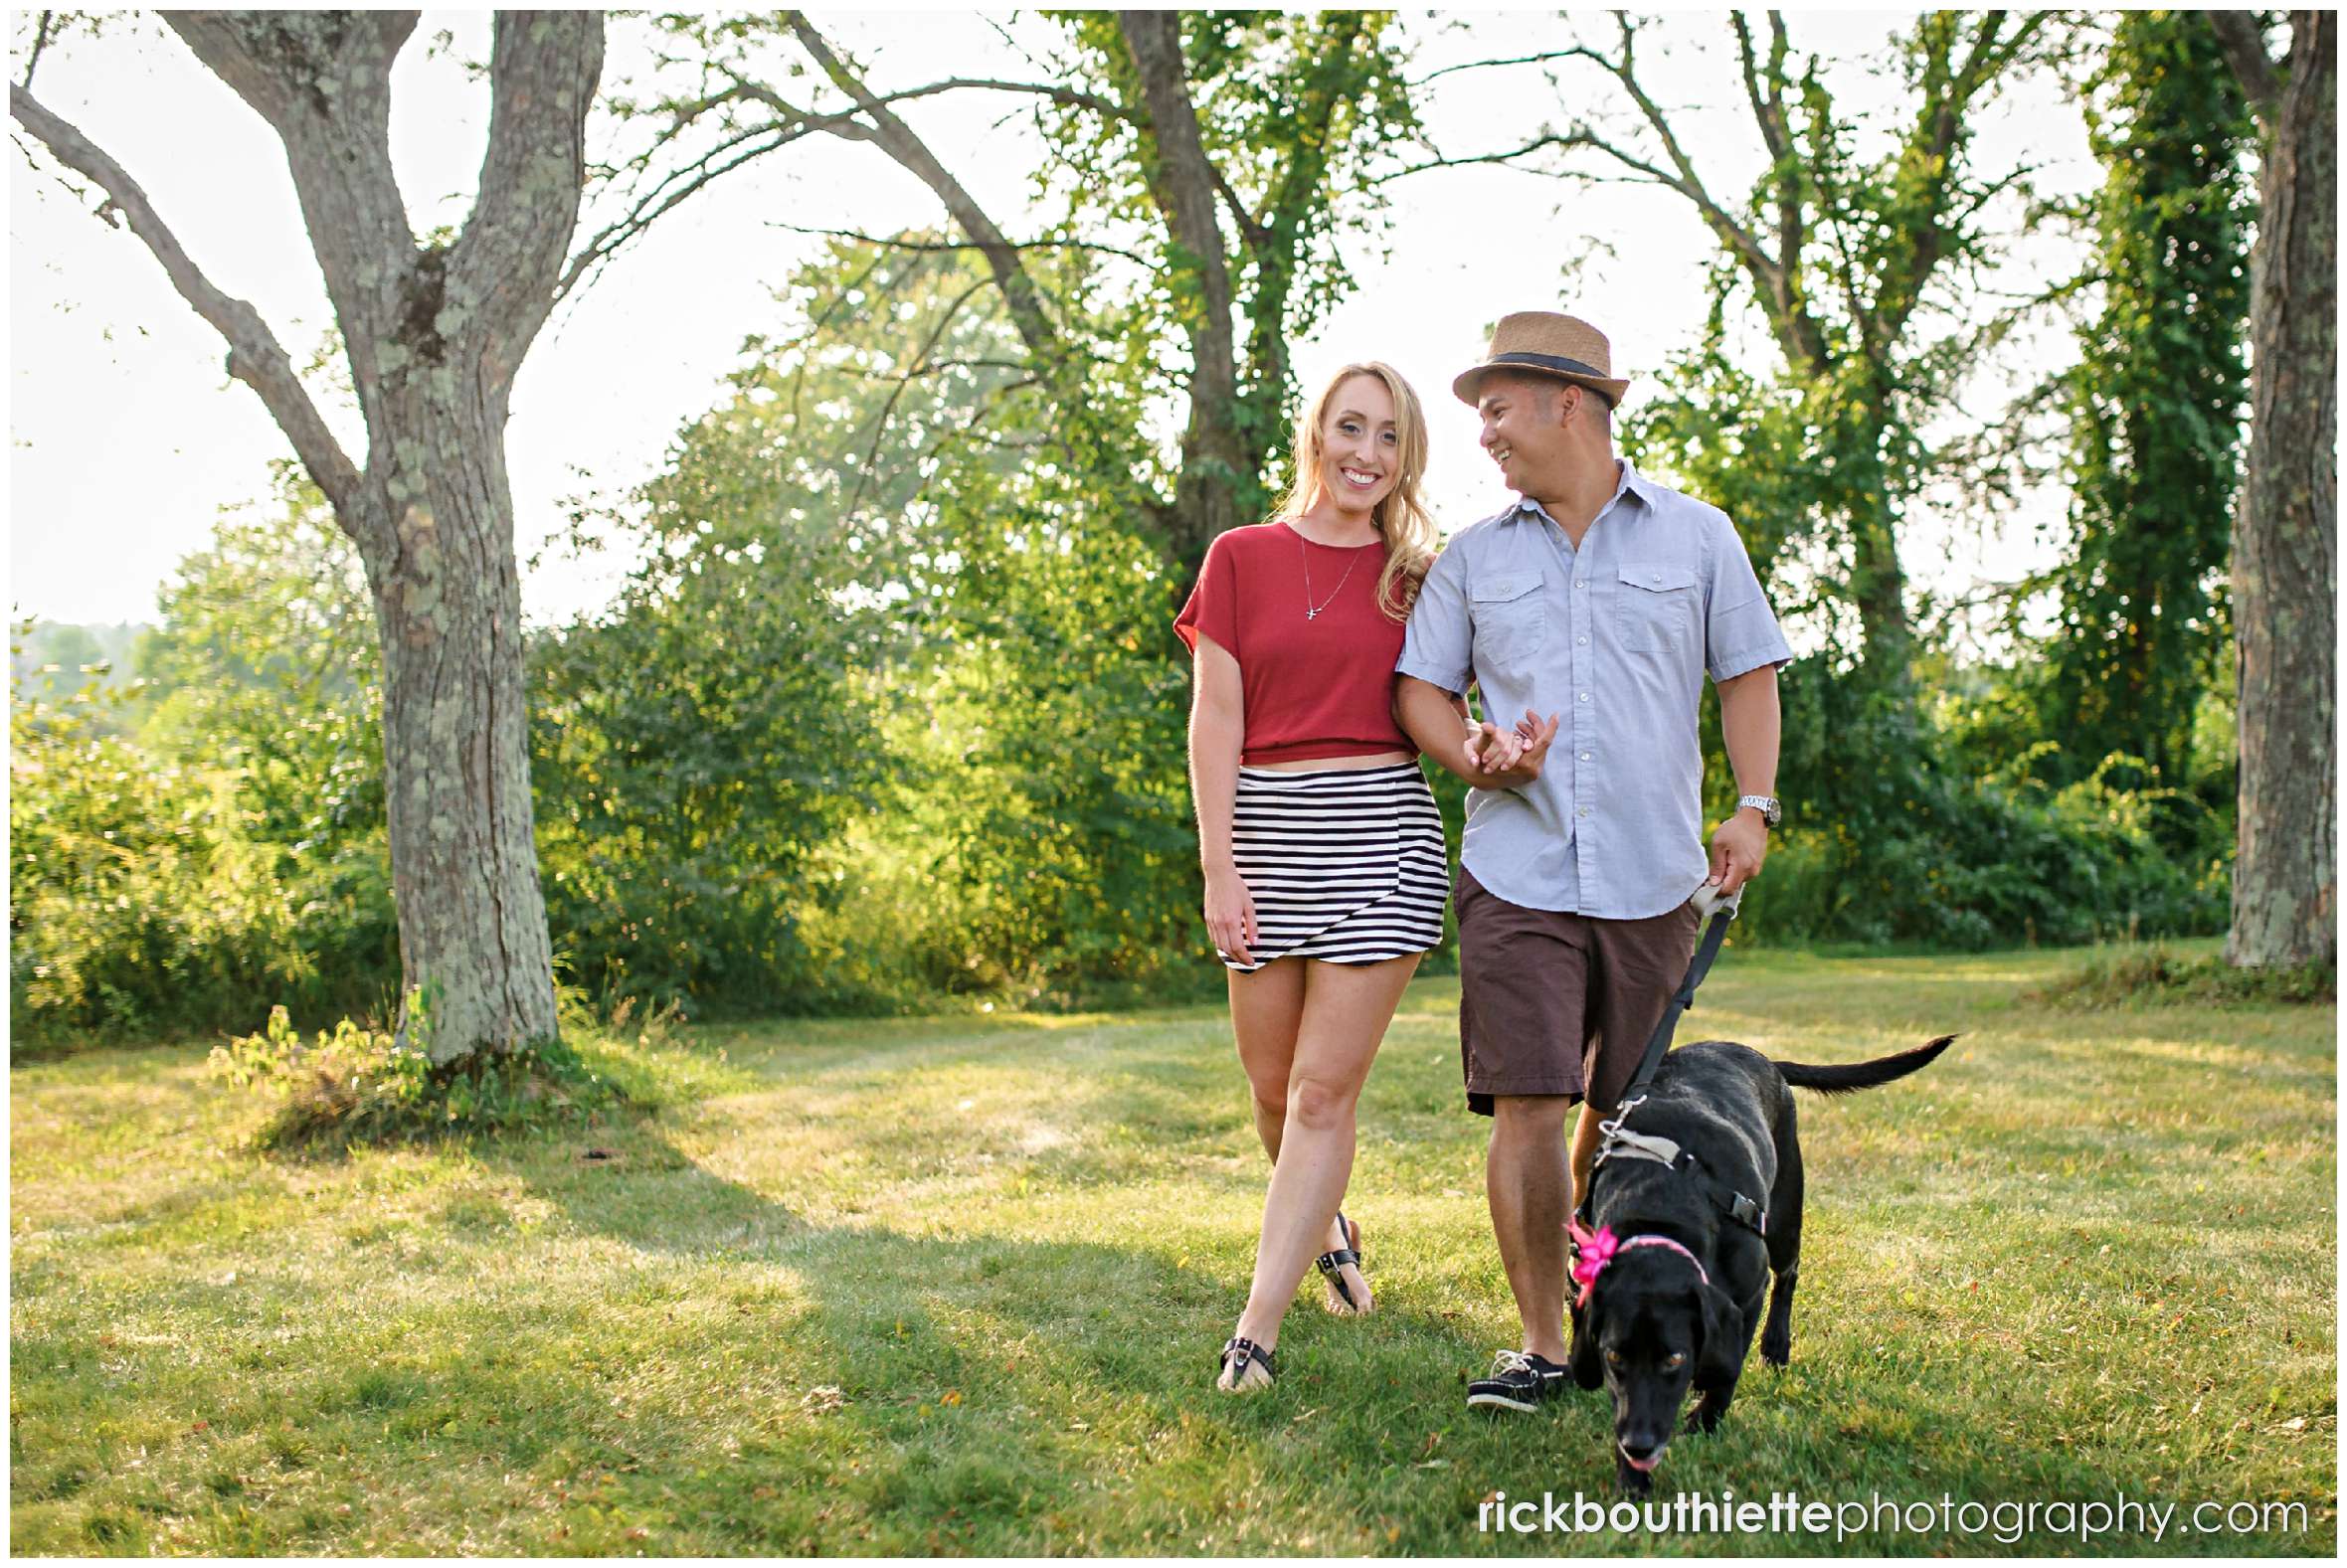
[
  {"x": 455, "y": 732},
  {"x": 434, "y": 335},
  {"x": 2286, "y": 531},
  {"x": 1877, "y": 582},
  {"x": 1218, "y": 465}
]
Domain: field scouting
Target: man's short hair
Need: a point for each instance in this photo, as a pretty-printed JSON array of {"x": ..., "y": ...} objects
[{"x": 1546, "y": 389}]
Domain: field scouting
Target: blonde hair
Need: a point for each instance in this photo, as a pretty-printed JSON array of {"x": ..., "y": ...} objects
[{"x": 1402, "y": 517}]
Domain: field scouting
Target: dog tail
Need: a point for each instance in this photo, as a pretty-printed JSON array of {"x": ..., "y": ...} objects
[{"x": 1845, "y": 1077}]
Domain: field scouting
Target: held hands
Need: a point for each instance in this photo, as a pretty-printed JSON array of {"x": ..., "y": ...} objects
[
  {"x": 1230, "y": 913},
  {"x": 1738, "y": 845},
  {"x": 1507, "y": 759}
]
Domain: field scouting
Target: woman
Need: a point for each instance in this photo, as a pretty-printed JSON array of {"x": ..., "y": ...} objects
[{"x": 1321, "y": 844}]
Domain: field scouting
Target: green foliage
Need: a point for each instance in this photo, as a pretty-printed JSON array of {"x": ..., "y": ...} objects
[
  {"x": 1860, "y": 252},
  {"x": 1296, "y": 112},
  {"x": 190, "y": 848},
  {"x": 52, "y": 660},
  {"x": 144, "y": 893},
  {"x": 702, "y": 749},
  {"x": 360, "y": 1085},
  {"x": 891, "y": 708},
  {"x": 1064, "y": 817},
  {"x": 1924, "y": 811},
  {"x": 1948, "y": 858},
  {"x": 2156, "y": 403}
]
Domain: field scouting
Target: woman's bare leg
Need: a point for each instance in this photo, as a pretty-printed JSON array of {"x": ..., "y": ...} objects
[
  {"x": 1266, "y": 1008},
  {"x": 1346, "y": 1008}
]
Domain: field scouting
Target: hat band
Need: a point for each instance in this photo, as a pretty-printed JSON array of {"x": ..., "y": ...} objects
[{"x": 1549, "y": 362}]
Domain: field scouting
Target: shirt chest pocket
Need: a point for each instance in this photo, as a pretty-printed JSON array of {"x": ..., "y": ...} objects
[
  {"x": 1511, "y": 621},
  {"x": 1657, "y": 605}
]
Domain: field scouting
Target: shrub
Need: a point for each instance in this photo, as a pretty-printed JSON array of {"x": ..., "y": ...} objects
[
  {"x": 355, "y": 1084},
  {"x": 1970, "y": 864},
  {"x": 142, "y": 899},
  {"x": 2155, "y": 976}
]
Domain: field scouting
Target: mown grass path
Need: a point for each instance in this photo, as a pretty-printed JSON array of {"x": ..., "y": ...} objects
[{"x": 955, "y": 1285}]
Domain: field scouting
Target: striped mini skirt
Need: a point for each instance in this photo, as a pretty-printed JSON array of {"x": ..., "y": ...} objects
[{"x": 1344, "y": 865}]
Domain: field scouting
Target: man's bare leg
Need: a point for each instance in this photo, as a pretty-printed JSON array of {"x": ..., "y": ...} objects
[
  {"x": 1528, "y": 1184},
  {"x": 1586, "y": 1142}
]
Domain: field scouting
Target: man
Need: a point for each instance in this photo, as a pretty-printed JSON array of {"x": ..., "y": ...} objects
[{"x": 1599, "y": 599}]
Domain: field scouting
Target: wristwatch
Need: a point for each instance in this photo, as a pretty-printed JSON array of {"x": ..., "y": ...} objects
[{"x": 1769, "y": 807}]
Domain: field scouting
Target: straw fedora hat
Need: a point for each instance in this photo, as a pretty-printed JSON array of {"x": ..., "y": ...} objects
[{"x": 1543, "y": 343}]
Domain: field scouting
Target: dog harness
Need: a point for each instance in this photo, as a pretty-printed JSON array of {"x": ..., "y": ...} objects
[{"x": 1619, "y": 1143}]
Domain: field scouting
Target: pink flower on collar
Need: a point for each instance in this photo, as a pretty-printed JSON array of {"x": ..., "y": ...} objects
[{"x": 1596, "y": 1250}]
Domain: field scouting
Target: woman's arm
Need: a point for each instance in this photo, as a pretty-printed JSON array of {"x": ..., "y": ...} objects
[{"x": 1217, "y": 729}]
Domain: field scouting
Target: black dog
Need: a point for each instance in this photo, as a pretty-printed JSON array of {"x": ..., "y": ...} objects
[{"x": 1700, "y": 1189}]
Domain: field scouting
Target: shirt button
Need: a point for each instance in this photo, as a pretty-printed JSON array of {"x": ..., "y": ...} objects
[
  {"x": 1580, "y": 581},
  {"x": 1658, "y": 576},
  {"x": 1583, "y": 642},
  {"x": 1585, "y": 756},
  {"x": 1584, "y": 811},
  {"x": 1584, "y": 696}
]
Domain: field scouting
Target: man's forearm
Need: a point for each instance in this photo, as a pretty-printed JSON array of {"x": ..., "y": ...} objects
[
  {"x": 1433, "y": 719},
  {"x": 1751, "y": 725}
]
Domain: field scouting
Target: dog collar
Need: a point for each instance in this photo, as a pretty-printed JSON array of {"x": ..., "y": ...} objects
[{"x": 1600, "y": 1247}]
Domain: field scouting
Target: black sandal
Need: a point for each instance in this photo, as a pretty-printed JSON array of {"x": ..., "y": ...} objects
[
  {"x": 1243, "y": 1351},
  {"x": 1331, "y": 1264}
]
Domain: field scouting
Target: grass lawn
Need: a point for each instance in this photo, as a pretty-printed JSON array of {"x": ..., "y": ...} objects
[{"x": 956, "y": 1286}]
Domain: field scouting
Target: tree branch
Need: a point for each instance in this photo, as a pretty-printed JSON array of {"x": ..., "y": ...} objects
[
  {"x": 895, "y": 139},
  {"x": 40, "y": 42},
  {"x": 1766, "y": 272},
  {"x": 2243, "y": 43},
  {"x": 1487, "y": 64},
  {"x": 322, "y": 82},
  {"x": 669, "y": 194},
  {"x": 1771, "y": 132},
  {"x": 543, "y": 69},
  {"x": 1537, "y": 144},
  {"x": 255, "y": 356},
  {"x": 894, "y": 243},
  {"x": 888, "y": 409},
  {"x": 681, "y": 184}
]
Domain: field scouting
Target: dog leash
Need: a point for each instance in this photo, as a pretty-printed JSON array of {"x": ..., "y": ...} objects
[
  {"x": 1706, "y": 901},
  {"x": 1620, "y": 1140}
]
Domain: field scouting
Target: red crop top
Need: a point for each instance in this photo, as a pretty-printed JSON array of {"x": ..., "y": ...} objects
[{"x": 1313, "y": 686}]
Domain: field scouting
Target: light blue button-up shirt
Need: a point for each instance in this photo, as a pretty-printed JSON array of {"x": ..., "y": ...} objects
[{"x": 1614, "y": 638}]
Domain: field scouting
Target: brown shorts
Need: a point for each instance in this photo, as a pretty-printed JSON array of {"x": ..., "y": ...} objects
[{"x": 1557, "y": 1003}]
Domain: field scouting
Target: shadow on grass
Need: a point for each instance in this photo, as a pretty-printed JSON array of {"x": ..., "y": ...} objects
[{"x": 977, "y": 1393}]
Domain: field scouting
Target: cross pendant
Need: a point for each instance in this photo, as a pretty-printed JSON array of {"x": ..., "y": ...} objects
[{"x": 1312, "y": 614}]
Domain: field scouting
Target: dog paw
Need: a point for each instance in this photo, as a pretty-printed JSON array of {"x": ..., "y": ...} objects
[{"x": 1776, "y": 1350}]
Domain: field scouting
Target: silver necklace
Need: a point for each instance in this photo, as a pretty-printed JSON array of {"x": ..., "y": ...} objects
[{"x": 1312, "y": 611}]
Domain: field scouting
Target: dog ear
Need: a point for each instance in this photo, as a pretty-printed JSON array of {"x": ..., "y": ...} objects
[
  {"x": 1721, "y": 1359},
  {"x": 1586, "y": 1360}
]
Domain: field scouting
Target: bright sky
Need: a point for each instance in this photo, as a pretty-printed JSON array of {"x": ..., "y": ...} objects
[{"x": 128, "y": 437}]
